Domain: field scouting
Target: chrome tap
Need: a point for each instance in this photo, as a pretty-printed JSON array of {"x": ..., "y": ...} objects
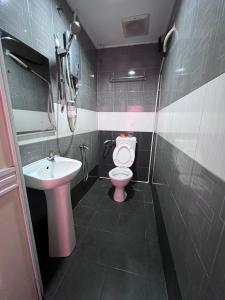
[
  {"x": 51, "y": 156},
  {"x": 106, "y": 142},
  {"x": 83, "y": 146}
]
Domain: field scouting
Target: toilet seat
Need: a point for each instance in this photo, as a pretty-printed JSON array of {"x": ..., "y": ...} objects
[
  {"x": 119, "y": 173},
  {"x": 123, "y": 155}
]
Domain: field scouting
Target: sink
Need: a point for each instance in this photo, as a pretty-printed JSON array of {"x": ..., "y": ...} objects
[
  {"x": 54, "y": 177},
  {"x": 45, "y": 175}
]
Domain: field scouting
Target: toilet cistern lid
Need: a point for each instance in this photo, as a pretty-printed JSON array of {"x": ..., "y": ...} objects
[{"x": 123, "y": 155}]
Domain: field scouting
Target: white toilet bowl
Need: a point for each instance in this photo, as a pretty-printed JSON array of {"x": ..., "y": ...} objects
[
  {"x": 120, "y": 177},
  {"x": 123, "y": 158}
]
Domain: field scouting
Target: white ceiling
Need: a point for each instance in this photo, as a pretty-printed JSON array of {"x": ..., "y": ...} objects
[{"x": 102, "y": 19}]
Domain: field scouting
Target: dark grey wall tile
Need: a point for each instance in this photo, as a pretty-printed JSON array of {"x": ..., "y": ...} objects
[
  {"x": 128, "y": 96},
  {"x": 10, "y": 13},
  {"x": 140, "y": 174},
  {"x": 192, "y": 198},
  {"x": 192, "y": 201},
  {"x": 35, "y": 23},
  {"x": 216, "y": 280},
  {"x": 196, "y": 54},
  {"x": 27, "y": 91},
  {"x": 105, "y": 101},
  {"x": 142, "y": 158},
  {"x": 41, "y": 23}
]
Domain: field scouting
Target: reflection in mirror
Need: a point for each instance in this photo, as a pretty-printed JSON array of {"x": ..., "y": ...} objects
[{"x": 30, "y": 86}]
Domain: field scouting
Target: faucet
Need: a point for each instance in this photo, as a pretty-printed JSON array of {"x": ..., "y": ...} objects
[
  {"x": 83, "y": 146},
  {"x": 106, "y": 142},
  {"x": 51, "y": 156}
]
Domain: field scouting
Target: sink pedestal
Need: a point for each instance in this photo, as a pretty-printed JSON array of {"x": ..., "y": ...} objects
[{"x": 61, "y": 233}]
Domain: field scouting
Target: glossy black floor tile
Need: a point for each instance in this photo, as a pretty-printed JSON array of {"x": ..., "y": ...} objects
[
  {"x": 83, "y": 281},
  {"x": 121, "y": 285},
  {"x": 151, "y": 226},
  {"x": 80, "y": 232},
  {"x": 133, "y": 204},
  {"x": 147, "y": 194},
  {"x": 56, "y": 272},
  {"x": 117, "y": 254},
  {"x": 107, "y": 201},
  {"x": 78, "y": 192},
  {"x": 94, "y": 195},
  {"x": 82, "y": 215},
  {"x": 132, "y": 225},
  {"x": 106, "y": 220},
  {"x": 156, "y": 287}
]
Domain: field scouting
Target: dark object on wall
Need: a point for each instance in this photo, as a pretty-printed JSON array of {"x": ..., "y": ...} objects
[{"x": 160, "y": 44}]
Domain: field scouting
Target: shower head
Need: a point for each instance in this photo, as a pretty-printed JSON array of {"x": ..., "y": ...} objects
[
  {"x": 75, "y": 27},
  {"x": 74, "y": 30}
]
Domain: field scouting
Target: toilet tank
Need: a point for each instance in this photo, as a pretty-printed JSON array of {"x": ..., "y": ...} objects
[{"x": 127, "y": 140}]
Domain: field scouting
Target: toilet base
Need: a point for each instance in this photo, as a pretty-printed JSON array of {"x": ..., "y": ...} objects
[{"x": 119, "y": 195}]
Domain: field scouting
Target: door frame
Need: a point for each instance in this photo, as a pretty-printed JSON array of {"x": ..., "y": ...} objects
[{"x": 9, "y": 120}]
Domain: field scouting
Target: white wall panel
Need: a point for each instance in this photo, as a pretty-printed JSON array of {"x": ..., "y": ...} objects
[
  {"x": 29, "y": 120},
  {"x": 87, "y": 120},
  {"x": 195, "y": 124},
  {"x": 126, "y": 121}
]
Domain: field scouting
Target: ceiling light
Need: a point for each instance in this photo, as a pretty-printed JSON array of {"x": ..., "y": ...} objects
[{"x": 131, "y": 72}]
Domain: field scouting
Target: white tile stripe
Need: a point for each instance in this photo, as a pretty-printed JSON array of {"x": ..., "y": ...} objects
[
  {"x": 27, "y": 120},
  {"x": 87, "y": 121},
  {"x": 126, "y": 121},
  {"x": 195, "y": 124}
]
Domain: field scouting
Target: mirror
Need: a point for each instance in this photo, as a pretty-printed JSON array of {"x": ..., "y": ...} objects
[{"x": 30, "y": 87}]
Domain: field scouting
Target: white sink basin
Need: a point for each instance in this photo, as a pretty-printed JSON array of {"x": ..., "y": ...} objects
[
  {"x": 54, "y": 178},
  {"x": 45, "y": 175}
]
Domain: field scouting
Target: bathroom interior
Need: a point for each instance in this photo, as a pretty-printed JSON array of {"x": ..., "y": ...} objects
[{"x": 112, "y": 169}]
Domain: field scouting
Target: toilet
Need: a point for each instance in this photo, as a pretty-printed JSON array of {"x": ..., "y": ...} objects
[{"x": 123, "y": 157}]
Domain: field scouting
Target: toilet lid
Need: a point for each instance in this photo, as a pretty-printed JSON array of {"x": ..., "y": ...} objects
[{"x": 123, "y": 155}]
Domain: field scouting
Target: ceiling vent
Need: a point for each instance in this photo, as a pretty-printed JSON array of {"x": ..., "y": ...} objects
[{"x": 135, "y": 26}]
